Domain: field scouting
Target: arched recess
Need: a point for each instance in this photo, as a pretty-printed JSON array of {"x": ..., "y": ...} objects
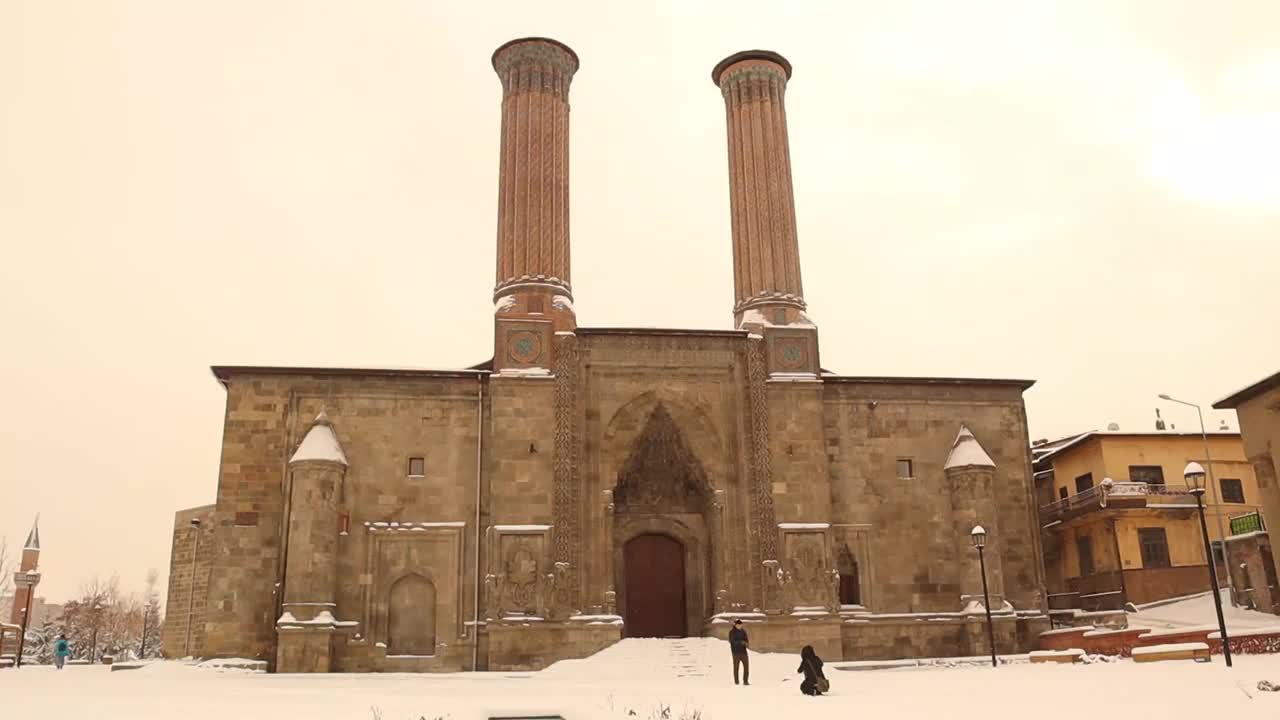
[
  {"x": 411, "y": 616},
  {"x": 691, "y": 534}
]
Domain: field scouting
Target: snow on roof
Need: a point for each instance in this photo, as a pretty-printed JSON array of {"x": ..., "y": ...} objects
[
  {"x": 967, "y": 452},
  {"x": 320, "y": 444}
]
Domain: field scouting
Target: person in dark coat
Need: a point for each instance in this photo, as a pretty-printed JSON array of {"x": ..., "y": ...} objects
[
  {"x": 811, "y": 666},
  {"x": 738, "y": 644}
]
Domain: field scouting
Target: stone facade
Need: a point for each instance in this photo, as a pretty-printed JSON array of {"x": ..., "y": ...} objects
[
  {"x": 189, "y": 559},
  {"x": 501, "y": 517}
]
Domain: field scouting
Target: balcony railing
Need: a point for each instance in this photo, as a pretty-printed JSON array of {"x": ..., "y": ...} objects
[
  {"x": 1119, "y": 494},
  {"x": 1247, "y": 523}
]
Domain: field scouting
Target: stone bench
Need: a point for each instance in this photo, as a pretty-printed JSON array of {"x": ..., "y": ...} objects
[
  {"x": 1197, "y": 651},
  {"x": 1065, "y": 657}
]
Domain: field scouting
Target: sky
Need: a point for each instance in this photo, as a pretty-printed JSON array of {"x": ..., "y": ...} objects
[{"x": 1086, "y": 194}]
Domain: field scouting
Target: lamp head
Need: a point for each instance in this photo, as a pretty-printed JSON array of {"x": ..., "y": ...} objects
[
  {"x": 1165, "y": 396},
  {"x": 978, "y": 536},
  {"x": 1194, "y": 475}
]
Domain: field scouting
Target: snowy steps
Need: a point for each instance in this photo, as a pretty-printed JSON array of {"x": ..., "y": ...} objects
[{"x": 655, "y": 658}]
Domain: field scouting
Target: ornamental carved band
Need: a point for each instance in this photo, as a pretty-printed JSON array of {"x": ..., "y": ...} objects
[
  {"x": 533, "y": 168},
  {"x": 565, "y": 502},
  {"x": 763, "y": 527}
]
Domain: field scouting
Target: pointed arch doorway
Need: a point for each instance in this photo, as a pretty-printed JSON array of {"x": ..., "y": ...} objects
[
  {"x": 654, "y": 565},
  {"x": 661, "y": 530}
]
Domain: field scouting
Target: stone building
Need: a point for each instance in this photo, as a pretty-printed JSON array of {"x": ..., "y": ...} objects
[{"x": 589, "y": 484}]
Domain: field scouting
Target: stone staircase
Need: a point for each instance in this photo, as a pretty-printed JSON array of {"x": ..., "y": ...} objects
[{"x": 671, "y": 660}]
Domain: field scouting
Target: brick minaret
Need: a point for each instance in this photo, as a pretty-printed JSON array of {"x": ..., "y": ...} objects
[
  {"x": 768, "y": 297},
  {"x": 533, "y": 296},
  {"x": 28, "y": 575},
  {"x": 766, "y": 256}
]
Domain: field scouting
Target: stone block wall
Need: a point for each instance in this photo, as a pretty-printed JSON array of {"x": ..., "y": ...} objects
[
  {"x": 918, "y": 565},
  {"x": 186, "y": 578}
]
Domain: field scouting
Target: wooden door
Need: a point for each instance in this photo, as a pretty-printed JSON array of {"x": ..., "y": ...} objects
[{"x": 654, "y": 566}]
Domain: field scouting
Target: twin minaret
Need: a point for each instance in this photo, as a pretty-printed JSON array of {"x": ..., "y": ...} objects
[{"x": 533, "y": 296}]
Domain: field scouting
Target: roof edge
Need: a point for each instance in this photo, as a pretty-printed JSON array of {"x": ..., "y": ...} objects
[
  {"x": 886, "y": 380},
  {"x": 223, "y": 373},
  {"x": 1234, "y": 400}
]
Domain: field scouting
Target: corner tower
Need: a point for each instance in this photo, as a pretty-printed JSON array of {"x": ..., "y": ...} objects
[
  {"x": 768, "y": 293},
  {"x": 533, "y": 298}
]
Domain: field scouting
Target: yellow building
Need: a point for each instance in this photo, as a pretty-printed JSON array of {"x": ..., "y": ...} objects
[{"x": 1117, "y": 523}]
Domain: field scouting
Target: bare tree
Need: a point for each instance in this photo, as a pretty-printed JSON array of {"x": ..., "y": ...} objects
[{"x": 6, "y": 568}]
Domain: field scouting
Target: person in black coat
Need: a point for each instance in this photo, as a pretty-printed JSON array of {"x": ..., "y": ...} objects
[
  {"x": 811, "y": 666},
  {"x": 738, "y": 643}
]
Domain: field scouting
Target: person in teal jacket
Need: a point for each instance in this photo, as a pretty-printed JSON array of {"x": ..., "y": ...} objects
[{"x": 61, "y": 649}]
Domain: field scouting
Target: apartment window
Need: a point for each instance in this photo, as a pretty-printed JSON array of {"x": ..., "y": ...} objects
[
  {"x": 1149, "y": 474},
  {"x": 1084, "y": 549},
  {"x": 1062, "y": 493},
  {"x": 417, "y": 467},
  {"x": 1232, "y": 490},
  {"x": 906, "y": 471},
  {"x": 1155, "y": 547},
  {"x": 1084, "y": 482}
]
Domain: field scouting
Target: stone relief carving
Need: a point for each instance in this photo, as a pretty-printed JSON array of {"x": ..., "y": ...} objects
[
  {"x": 565, "y": 495},
  {"x": 520, "y": 578},
  {"x": 661, "y": 473},
  {"x": 762, "y": 524}
]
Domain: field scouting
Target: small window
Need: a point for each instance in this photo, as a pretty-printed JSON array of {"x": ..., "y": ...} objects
[
  {"x": 1218, "y": 558},
  {"x": 1062, "y": 493},
  {"x": 1084, "y": 482},
  {"x": 417, "y": 467},
  {"x": 1155, "y": 547},
  {"x": 1149, "y": 474},
  {"x": 1232, "y": 490},
  {"x": 246, "y": 519},
  {"x": 780, "y": 317},
  {"x": 906, "y": 471},
  {"x": 1084, "y": 549}
]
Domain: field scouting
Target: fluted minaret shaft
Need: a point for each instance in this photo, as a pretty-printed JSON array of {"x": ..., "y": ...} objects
[
  {"x": 533, "y": 176},
  {"x": 766, "y": 255}
]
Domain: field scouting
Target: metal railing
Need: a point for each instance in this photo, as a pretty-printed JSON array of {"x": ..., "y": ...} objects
[
  {"x": 1247, "y": 523},
  {"x": 1156, "y": 494}
]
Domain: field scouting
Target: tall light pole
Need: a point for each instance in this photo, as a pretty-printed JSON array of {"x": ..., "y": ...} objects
[
  {"x": 97, "y": 622},
  {"x": 1222, "y": 531},
  {"x": 979, "y": 537},
  {"x": 191, "y": 595},
  {"x": 1194, "y": 475}
]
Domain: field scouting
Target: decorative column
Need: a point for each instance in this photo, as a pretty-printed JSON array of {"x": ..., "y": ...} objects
[
  {"x": 532, "y": 296},
  {"x": 768, "y": 294},
  {"x": 307, "y": 623},
  {"x": 971, "y": 476}
]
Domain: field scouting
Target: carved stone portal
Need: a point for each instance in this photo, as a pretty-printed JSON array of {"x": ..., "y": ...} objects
[{"x": 661, "y": 474}]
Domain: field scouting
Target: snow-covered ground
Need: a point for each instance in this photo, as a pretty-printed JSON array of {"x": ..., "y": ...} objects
[
  {"x": 1196, "y": 611},
  {"x": 644, "y": 675}
]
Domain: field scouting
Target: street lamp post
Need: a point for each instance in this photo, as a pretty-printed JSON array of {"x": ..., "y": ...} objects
[
  {"x": 1194, "y": 475},
  {"x": 191, "y": 594},
  {"x": 97, "y": 621},
  {"x": 146, "y": 615},
  {"x": 1222, "y": 531},
  {"x": 979, "y": 537}
]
